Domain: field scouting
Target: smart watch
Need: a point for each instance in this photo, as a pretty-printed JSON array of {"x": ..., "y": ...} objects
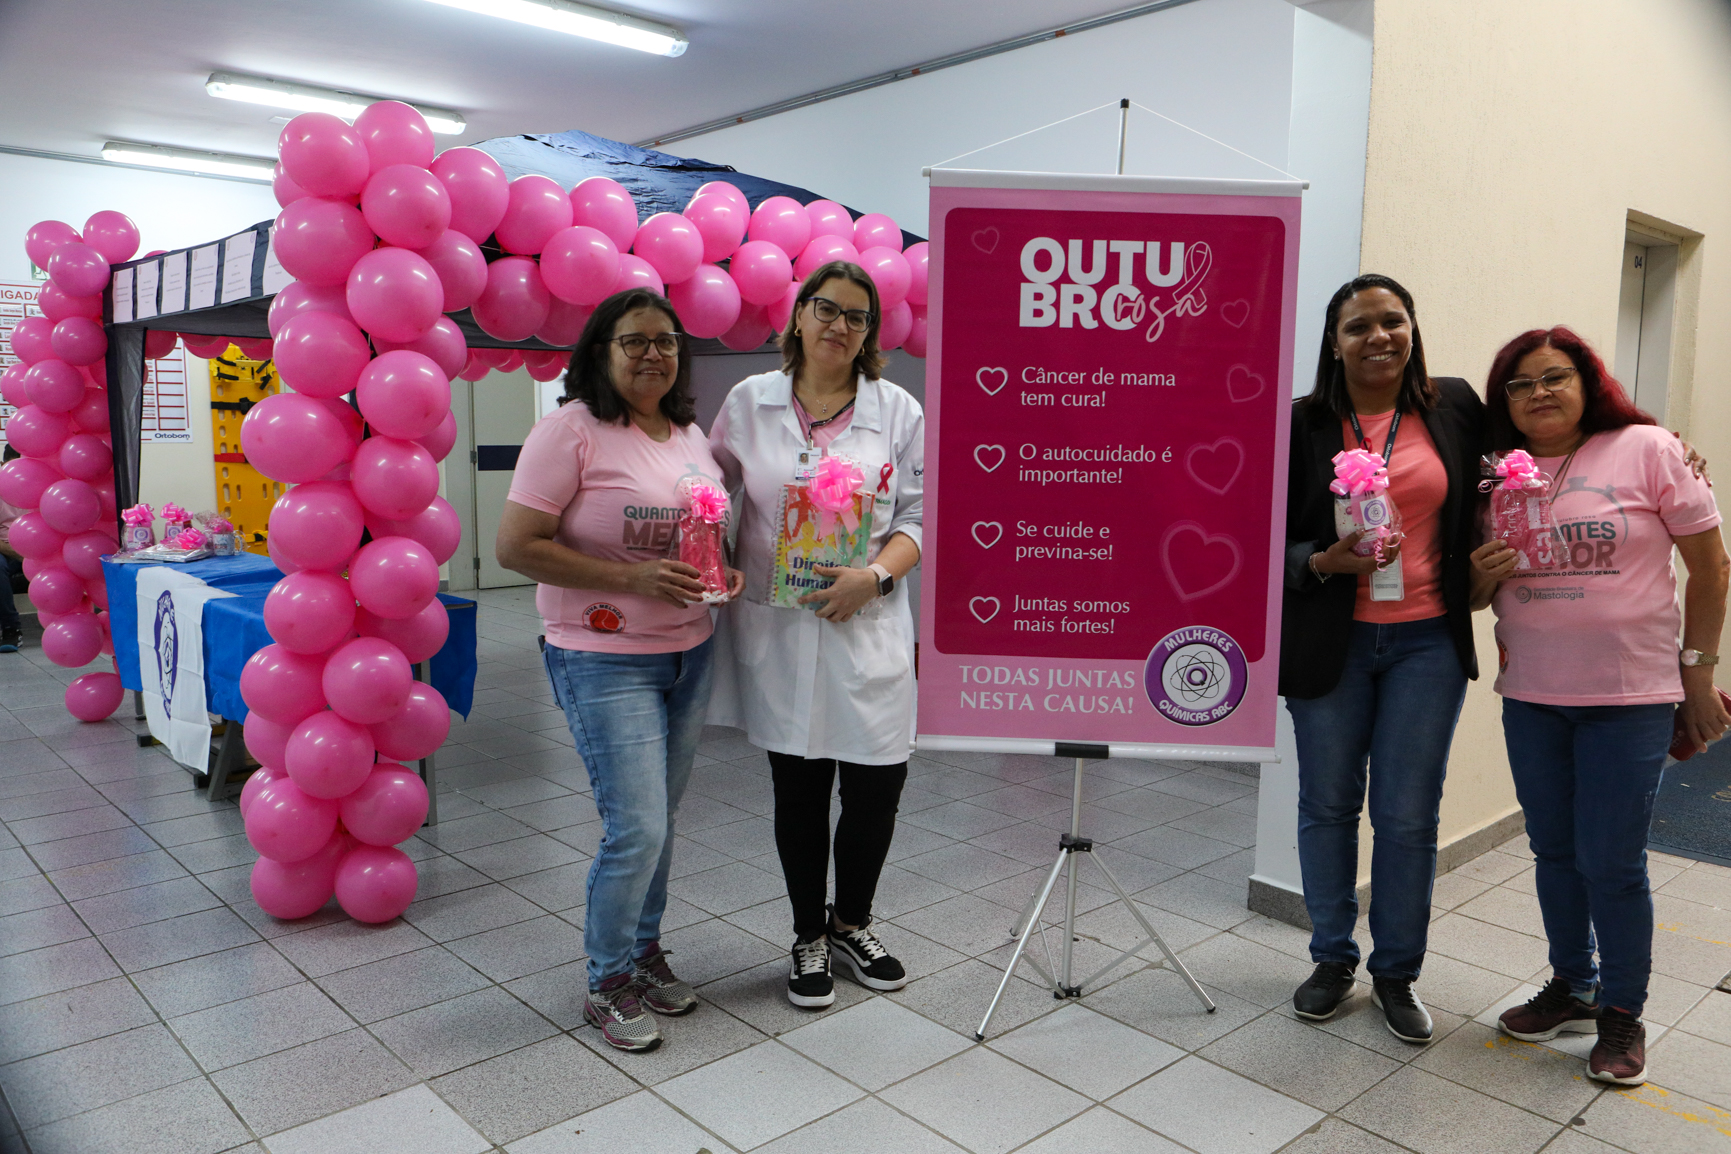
[
  {"x": 1694, "y": 657},
  {"x": 886, "y": 582}
]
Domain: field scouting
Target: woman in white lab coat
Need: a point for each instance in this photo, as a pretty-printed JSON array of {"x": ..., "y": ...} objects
[{"x": 827, "y": 688}]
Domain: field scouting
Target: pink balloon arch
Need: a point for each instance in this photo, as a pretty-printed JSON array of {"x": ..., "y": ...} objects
[{"x": 382, "y": 240}]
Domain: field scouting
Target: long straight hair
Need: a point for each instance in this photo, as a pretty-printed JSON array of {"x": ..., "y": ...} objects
[
  {"x": 590, "y": 376},
  {"x": 1605, "y": 406},
  {"x": 1417, "y": 392}
]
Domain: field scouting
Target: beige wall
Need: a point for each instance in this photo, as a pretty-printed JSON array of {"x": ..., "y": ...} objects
[{"x": 1509, "y": 144}]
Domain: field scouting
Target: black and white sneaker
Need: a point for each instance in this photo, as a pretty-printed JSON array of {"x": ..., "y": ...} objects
[
  {"x": 860, "y": 952},
  {"x": 1406, "y": 1016},
  {"x": 809, "y": 985}
]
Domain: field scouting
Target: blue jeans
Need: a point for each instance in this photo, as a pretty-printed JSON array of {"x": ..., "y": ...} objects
[
  {"x": 1586, "y": 776},
  {"x": 637, "y": 719},
  {"x": 1393, "y": 714},
  {"x": 8, "y": 603}
]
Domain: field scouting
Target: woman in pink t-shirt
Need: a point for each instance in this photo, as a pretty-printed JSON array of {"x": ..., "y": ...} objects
[
  {"x": 1591, "y": 676},
  {"x": 598, "y": 493}
]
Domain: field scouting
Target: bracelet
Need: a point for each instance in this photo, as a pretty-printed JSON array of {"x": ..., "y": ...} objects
[{"x": 1315, "y": 572}]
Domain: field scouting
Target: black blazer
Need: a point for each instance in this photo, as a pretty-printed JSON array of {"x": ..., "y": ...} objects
[{"x": 1316, "y": 620}]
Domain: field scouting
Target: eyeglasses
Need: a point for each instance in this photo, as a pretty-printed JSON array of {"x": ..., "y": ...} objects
[
  {"x": 635, "y": 345},
  {"x": 858, "y": 320},
  {"x": 1554, "y": 381}
]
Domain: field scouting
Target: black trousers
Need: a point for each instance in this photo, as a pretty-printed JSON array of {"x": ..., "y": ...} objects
[{"x": 869, "y": 796}]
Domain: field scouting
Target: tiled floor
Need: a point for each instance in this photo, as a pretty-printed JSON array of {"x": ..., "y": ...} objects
[{"x": 146, "y": 1004}]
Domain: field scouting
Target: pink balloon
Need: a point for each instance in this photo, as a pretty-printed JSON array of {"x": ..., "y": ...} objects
[
  {"x": 316, "y": 526},
  {"x": 875, "y": 230},
  {"x": 564, "y": 323},
  {"x": 635, "y": 273},
  {"x": 293, "y": 438},
  {"x": 440, "y": 441},
  {"x": 97, "y": 590},
  {"x": 328, "y": 756},
  {"x": 406, "y": 205},
  {"x": 91, "y": 415},
  {"x": 515, "y": 302},
  {"x": 112, "y": 234},
  {"x": 475, "y": 369},
  {"x": 479, "y": 190},
  {"x": 284, "y": 189},
  {"x": 722, "y": 190},
  {"x": 780, "y": 313},
  {"x": 394, "y": 133},
  {"x": 35, "y": 432},
  {"x": 437, "y": 527},
  {"x": 895, "y": 326},
  {"x": 73, "y": 640},
  {"x": 287, "y": 824},
  {"x": 366, "y": 681},
  {"x": 70, "y": 506},
  {"x": 918, "y": 257},
  {"x": 266, "y": 739},
  {"x": 281, "y": 685},
  {"x": 404, "y": 394},
  {"x": 394, "y": 577},
  {"x": 822, "y": 251},
  {"x": 493, "y": 358},
  {"x": 395, "y": 294},
  {"x": 78, "y": 269},
  {"x": 580, "y": 264},
  {"x": 346, "y": 417},
  {"x": 291, "y": 890},
  {"x": 319, "y": 240},
  {"x": 323, "y": 155},
  {"x": 889, "y": 271},
  {"x": 105, "y": 493},
  {"x": 258, "y": 778},
  {"x": 33, "y": 339},
  {"x": 535, "y": 209},
  {"x": 12, "y": 387},
  {"x": 159, "y": 343},
  {"x": 749, "y": 331},
  {"x": 22, "y": 481},
  {"x": 671, "y": 244},
  {"x": 419, "y": 729},
  {"x": 761, "y": 270},
  {"x": 915, "y": 344},
  {"x": 417, "y": 636},
  {"x": 707, "y": 301},
  {"x": 309, "y": 612},
  {"x": 254, "y": 349},
  {"x": 57, "y": 589},
  {"x": 460, "y": 265},
  {"x": 375, "y": 883},
  {"x": 781, "y": 221},
  {"x": 545, "y": 364},
  {"x": 94, "y": 696},
  {"x": 512, "y": 362},
  {"x": 57, "y": 304},
  {"x": 320, "y": 354},
  {"x": 207, "y": 347},
  {"x": 79, "y": 341},
  {"x": 303, "y": 296},
  {"x": 54, "y": 386},
  {"x": 388, "y": 807},
  {"x": 720, "y": 219},
  {"x": 85, "y": 457},
  {"x": 443, "y": 344},
  {"x": 83, "y": 553},
  {"x": 394, "y": 478},
  {"x": 603, "y": 203},
  {"x": 46, "y": 236},
  {"x": 829, "y": 219}
]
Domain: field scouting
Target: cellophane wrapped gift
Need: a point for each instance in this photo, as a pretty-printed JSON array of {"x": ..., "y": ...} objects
[
  {"x": 175, "y": 519},
  {"x": 220, "y": 532},
  {"x": 140, "y": 522},
  {"x": 822, "y": 522},
  {"x": 703, "y": 536},
  {"x": 1362, "y": 502},
  {"x": 1521, "y": 508}
]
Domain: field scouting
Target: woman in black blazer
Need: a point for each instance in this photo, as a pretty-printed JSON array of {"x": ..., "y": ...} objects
[{"x": 1374, "y": 661}]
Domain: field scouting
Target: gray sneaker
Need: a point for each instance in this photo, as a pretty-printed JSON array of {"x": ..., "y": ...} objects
[
  {"x": 617, "y": 1011},
  {"x": 660, "y": 990}
]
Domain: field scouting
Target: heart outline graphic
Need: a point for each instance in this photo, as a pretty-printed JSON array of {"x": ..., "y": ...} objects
[
  {"x": 1208, "y": 539},
  {"x": 1199, "y": 447},
  {"x": 1240, "y": 378},
  {"x": 1003, "y": 376},
  {"x": 978, "y": 449},
  {"x": 1240, "y": 307},
  {"x": 974, "y": 608},
  {"x": 990, "y": 236},
  {"x": 997, "y": 535}
]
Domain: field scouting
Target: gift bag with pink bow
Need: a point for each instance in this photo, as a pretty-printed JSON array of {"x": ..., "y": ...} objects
[
  {"x": 1521, "y": 508},
  {"x": 702, "y": 540},
  {"x": 826, "y": 521},
  {"x": 1362, "y": 502}
]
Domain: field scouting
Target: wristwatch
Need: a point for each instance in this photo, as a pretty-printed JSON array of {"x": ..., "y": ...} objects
[
  {"x": 886, "y": 582},
  {"x": 1694, "y": 657}
]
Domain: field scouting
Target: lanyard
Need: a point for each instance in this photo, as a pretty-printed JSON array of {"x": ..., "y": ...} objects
[
  {"x": 809, "y": 426},
  {"x": 1388, "y": 449}
]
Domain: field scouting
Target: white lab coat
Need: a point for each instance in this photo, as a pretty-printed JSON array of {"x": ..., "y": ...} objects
[{"x": 794, "y": 683}]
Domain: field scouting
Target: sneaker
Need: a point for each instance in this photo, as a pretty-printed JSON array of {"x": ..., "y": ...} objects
[
  {"x": 618, "y": 1012},
  {"x": 860, "y": 952},
  {"x": 1553, "y": 1010},
  {"x": 11, "y": 640},
  {"x": 1406, "y": 1016},
  {"x": 809, "y": 985},
  {"x": 660, "y": 990},
  {"x": 1329, "y": 985},
  {"x": 1621, "y": 1053}
]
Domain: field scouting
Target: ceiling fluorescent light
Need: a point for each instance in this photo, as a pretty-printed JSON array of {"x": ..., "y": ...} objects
[
  {"x": 305, "y": 98},
  {"x": 582, "y": 20},
  {"x": 190, "y": 160}
]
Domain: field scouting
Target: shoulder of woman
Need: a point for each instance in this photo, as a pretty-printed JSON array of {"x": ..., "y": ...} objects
[
  {"x": 894, "y": 394},
  {"x": 757, "y": 383},
  {"x": 1456, "y": 391}
]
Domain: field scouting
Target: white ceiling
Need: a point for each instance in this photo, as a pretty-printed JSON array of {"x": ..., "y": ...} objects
[{"x": 79, "y": 72}]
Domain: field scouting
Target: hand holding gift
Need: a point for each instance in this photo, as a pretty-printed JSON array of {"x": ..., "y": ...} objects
[
  {"x": 1521, "y": 508},
  {"x": 703, "y": 537}
]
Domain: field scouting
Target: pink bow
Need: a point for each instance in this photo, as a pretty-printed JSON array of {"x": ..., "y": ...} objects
[
  {"x": 833, "y": 488},
  {"x": 188, "y": 539},
  {"x": 139, "y": 514},
  {"x": 1519, "y": 471},
  {"x": 1359, "y": 472},
  {"x": 708, "y": 501},
  {"x": 174, "y": 515}
]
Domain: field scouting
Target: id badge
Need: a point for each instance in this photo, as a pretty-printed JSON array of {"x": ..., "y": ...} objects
[
  {"x": 1388, "y": 584},
  {"x": 805, "y": 465}
]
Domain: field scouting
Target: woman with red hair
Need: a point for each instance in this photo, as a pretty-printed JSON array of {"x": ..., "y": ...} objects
[{"x": 1591, "y": 676}]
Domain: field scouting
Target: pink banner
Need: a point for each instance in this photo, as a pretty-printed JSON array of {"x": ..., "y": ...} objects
[{"x": 1108, "y": 391}]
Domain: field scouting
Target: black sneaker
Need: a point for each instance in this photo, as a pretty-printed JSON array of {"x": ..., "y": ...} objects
[
  {"x": 1323, "y": 992},
  {"x": 11, "y": 640},
  {"x": 1553, "y": 1010},
  {"x": 1407, "y": 1018},
  {"x": 860, "y": 952},
  {"x": 809, "y": 985}
]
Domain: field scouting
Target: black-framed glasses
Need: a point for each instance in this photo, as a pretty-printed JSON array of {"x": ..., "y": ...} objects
[
  {"x": 858, "y": 320},
  {"x": 1555, "y": 381},
  {"x": 635, "y": 345}
]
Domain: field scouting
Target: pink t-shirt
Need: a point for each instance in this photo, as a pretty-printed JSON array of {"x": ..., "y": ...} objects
[
  {"x": 1419, "y": 484},
  {"x": 1602, "y": 627},
  {"x": 616, "y": 494}
]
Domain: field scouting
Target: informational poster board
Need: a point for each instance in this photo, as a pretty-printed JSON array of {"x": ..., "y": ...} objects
[
  {"x": 17, "y": 301},
  {"x": 1106, "y": 393},
  {"x": 167, "y": 415}
]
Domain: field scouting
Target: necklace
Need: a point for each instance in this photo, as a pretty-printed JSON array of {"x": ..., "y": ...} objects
[
  {"x": 1557, "y": 485},
  {"x": 823, "y": 411}
]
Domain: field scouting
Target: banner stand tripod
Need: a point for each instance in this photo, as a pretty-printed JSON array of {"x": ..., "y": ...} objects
[{"x": 1061, "y": 976}]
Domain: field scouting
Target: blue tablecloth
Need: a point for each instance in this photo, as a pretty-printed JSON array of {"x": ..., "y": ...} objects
[{"x": 234, "y": 630}]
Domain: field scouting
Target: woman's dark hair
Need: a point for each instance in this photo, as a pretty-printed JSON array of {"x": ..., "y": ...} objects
[
  {"x": 1605, "y": 405},
  {"x": 1417, "y": 393},
  {"x": 869, "y": 363},
  {"x": 590, "y": 377}
]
